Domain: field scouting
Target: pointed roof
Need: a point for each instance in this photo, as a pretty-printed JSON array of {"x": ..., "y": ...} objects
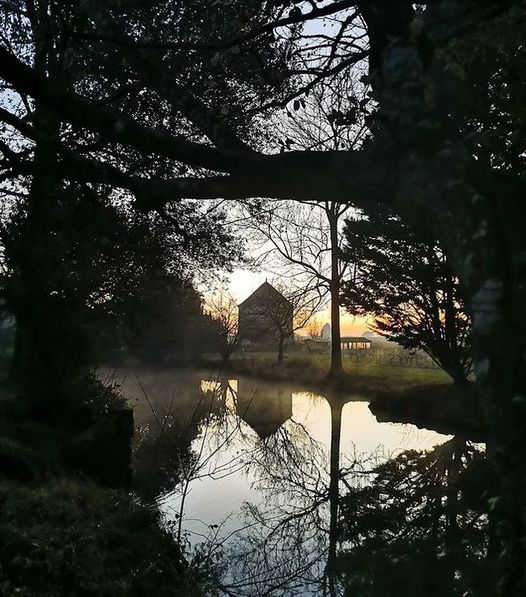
[
  {"x": 263, "y": 406},
  {"x": 266, "y": 291}
]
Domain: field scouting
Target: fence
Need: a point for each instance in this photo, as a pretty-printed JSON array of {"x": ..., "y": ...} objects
[{"x": 393, "y": 355}]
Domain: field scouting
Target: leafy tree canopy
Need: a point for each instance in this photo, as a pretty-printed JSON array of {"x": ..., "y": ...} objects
[{"x": 403, "y": 277}]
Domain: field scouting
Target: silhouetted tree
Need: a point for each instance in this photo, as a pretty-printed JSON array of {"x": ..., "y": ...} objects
[
  {"x": 445, "y": 79},
  {"x": 304, "y": 240},
  {"x": 222, "y": 308},
  {"x": 402, "y": 276},
  {"x": 96, "y": 281}
]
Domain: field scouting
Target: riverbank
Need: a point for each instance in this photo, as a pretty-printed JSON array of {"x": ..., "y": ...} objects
[
  {"x": 447, "y": 409},
  {"x": 71, "y": 537},
  {"x": 361, "y": 374},
  {"x": 68, "y": 523},
  {"x": 425, "y": 397}
]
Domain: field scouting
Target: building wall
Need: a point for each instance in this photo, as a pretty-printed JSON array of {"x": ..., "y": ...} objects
[{"x": 261, "y": 317}]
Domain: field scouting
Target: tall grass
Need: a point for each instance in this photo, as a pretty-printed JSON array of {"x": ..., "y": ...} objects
[{"x": 383, "y": 369}]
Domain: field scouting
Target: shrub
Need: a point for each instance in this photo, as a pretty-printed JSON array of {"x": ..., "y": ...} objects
[{"x": 67, "y": 539}]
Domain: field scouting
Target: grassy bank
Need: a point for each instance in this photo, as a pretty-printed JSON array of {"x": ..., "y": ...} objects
[
  {"x": 63, "y": 531},
  {"x": 69, "y": 537},
  {"x": 365, "y": 373},
  {"x": 399, "y": 390}
]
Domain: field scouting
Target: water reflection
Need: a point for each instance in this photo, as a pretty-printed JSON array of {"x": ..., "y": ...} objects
[
  {"x": 264, "y": 408},
  {"x": 291, "y": 493},
  {"x": 412, "y": 532}
]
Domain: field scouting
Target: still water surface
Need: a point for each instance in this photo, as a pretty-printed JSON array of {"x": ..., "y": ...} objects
[{"x": 266, "y": 482}]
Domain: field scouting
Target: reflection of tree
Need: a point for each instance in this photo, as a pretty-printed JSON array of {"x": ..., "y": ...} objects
[
  {"x": 400, "y": 525},
  {"x": 410, "y": 532},
  {"x": 286, "y": 543},
  {"x": 160, "y": 461},
  {"x": 163, "y": 456},
  {"x": 293, "y": 534}
]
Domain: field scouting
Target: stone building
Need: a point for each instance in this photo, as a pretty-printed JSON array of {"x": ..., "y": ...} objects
[{"x": 265, "y": 317}]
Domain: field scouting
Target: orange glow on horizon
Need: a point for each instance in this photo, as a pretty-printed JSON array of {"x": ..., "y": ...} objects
[
  {"x": 349, "y": 324},
  {"x": 243, "y": 283}
]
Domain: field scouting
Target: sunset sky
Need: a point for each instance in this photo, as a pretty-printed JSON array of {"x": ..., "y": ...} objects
[{"x": 243, "y": 283}]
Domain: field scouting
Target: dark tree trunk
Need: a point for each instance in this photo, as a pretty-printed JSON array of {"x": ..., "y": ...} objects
[
  {"x": 336, "y": 368},
  {"x": 462, "y": 197},
  {"x": 500, "y": 365},
  {"x": 41, "y": 361},
  {"x": 488, "y": 267},
  {"x": 38, "y": 357}
]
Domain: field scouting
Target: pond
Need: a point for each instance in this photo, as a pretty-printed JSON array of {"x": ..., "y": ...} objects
[{"x": 279, "y": 491}]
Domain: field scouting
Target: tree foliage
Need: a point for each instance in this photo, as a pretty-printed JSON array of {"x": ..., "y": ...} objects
[
  {"x": 402, "y": 277},
  {"x": 83, "y": 272},
  {"x": 445, "y": 76}
]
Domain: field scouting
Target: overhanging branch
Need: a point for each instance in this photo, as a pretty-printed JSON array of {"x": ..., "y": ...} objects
[{"x": 113, "y": 127}]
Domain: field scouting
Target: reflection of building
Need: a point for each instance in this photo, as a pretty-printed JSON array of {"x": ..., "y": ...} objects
[
  {"x": 264, "y": 407},
  {"x": 355, "y": 343},
  {"x": 263, "y": 317}
]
